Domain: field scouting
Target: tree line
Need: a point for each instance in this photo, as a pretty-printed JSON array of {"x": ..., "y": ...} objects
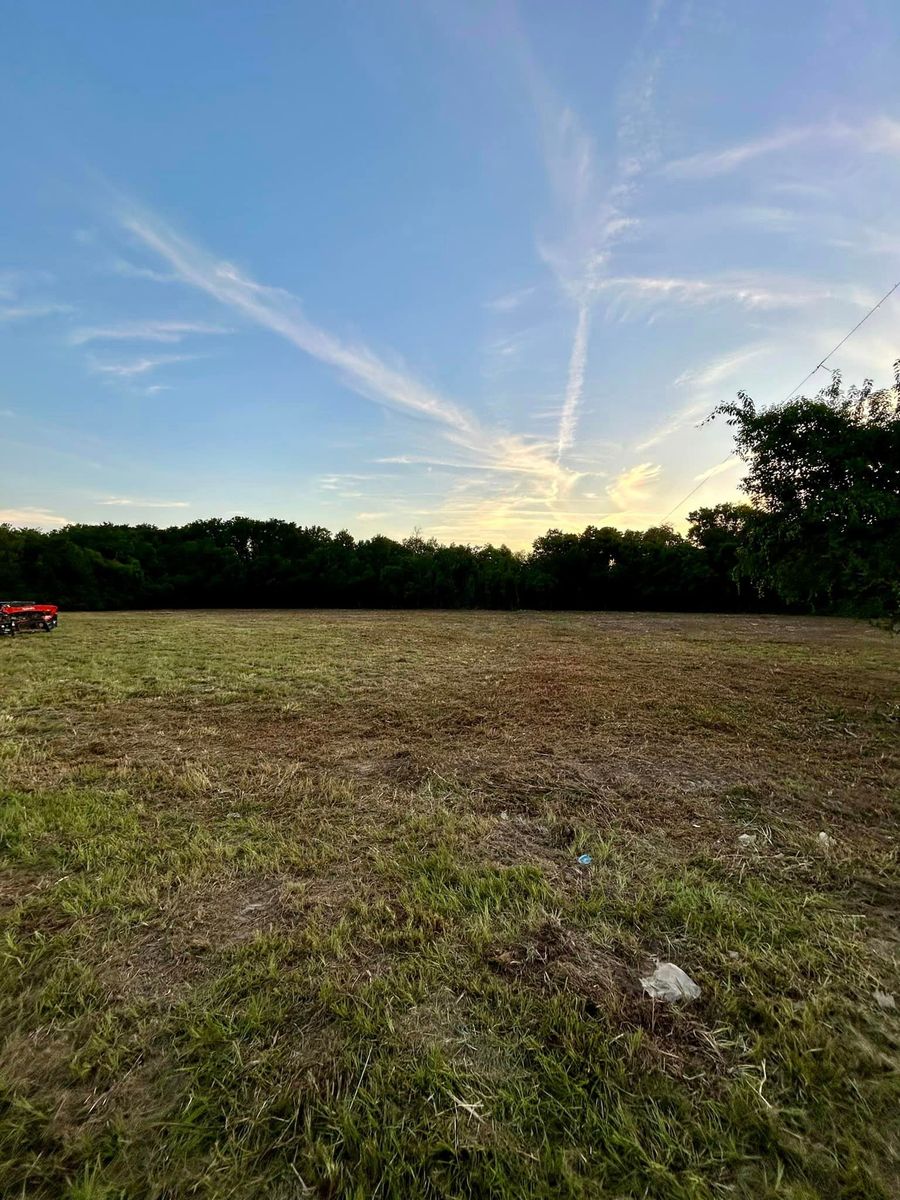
[
  {"x": 244, "y": 562},
  {"x": 820, "y": 532}
]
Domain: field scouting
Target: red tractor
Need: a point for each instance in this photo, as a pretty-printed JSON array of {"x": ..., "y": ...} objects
[{"x": 24, "y": 616}]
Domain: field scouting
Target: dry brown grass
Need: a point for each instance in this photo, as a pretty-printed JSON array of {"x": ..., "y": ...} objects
[
  {"x": 633, "y": 711},
  {"x": 331, "y": 856}
]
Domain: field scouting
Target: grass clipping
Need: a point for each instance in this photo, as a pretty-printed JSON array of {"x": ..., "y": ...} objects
[{"x": 292, "y": 906}]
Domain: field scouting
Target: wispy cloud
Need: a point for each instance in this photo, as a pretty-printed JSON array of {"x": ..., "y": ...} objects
[
  {"x": 703, "y": 382},
  {"x": 336, "y": 482},
  {"x": 130, "y": 270},
  {"x": 138, "y": 366},
  {"x": 630, "y": 292},
  {"x": 871, "y": 352},
  {"x": 17, "y": 291},
  {"x": 273, "y": 309},
  {"x": 139, "y": 502},
  {"x": 514, "y": 465},
  {"x": 14, "y": 281},
  {"x": 575, "y": 380},
  {"x": 880, "y": 135},
  {"x": 592, "y": 222},
  {"x": 144, "y": 331},
  {"x": 720, "y": 162},
  {"x": 631, "y": 486},
  {"x": 712, "y": 373},
  {"x": 511, "y": 300},
  {"x": 730, "y": 464},
  {"x": 473, "y": 516},
  {"x": 32, "y": 518},
  {"x": 353, "y": 484},
  {"x": 591, "y": 218},
  {"x": 593, "y": 204},
  {"x": 27, "y": 312},
  {"x": 688, "y": 414},
  {"x": 359, "y": 367},
  {"x": 502, "y": 353}
]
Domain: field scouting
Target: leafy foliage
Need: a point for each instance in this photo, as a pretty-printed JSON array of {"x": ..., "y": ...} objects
[
  {"x": 824, "y": 478},
  {"x": 244, "y": 562}
]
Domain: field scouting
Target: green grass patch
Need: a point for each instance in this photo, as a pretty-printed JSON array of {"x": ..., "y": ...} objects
[{"x": 339, "y": 943}]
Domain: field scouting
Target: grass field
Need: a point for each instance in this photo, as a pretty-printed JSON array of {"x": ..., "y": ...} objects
[{"x": 291, "y": 906}]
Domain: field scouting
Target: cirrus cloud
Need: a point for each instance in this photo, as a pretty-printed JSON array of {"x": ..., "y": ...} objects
[
  {"x": 32, "y": 518},
  {"x": 632, "y": 485},
  {"x": 144, "y": 331}
]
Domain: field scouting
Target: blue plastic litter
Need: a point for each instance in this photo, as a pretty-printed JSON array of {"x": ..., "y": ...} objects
[{"x": 585, "y": 860}]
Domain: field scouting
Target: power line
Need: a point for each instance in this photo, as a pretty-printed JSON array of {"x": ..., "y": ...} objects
[
  {"x": 791, "y": 394},
  {"x": 694, "y": 489},
  {"x": 845, "y": 338}
]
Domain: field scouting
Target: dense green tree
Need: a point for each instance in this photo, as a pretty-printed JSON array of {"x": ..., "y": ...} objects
[
  {"x": 222, "y": 563},
  {"x": 824, "y": 478},
  {"x": 719, "y": 531}
]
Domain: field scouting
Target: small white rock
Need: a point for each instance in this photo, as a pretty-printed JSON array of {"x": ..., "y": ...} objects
[
  {"x": 747, "y": 839},
  {"x": 825, "y": 839},
  {"x": 884, "y": 999},
  {"x": 669, "y": 982}
]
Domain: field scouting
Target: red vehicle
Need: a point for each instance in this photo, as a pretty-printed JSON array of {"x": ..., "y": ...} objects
[{"x": 24, "y": 616}]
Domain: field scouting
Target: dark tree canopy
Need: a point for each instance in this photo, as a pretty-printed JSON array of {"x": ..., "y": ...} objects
[
  {"x": 823, "y": 475},
  {"x": 246, "y": 562}
]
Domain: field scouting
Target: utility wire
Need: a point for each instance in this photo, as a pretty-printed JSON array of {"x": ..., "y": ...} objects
[
  {"x": 693, "y": 489},
  {"x": 845, "y": 338},
  {"x": 790, "y": 395}
]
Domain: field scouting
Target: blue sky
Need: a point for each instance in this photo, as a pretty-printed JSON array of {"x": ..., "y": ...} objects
[{"x": 475, "y": 268}]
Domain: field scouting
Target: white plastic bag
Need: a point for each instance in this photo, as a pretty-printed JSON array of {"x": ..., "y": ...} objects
[{"x": 669, "y": 982}]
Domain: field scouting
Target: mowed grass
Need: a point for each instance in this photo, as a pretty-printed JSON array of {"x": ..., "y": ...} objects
[{"x": 291, "y": 906}]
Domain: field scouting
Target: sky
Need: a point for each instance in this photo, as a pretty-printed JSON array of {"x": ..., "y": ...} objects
[{"x": 477, "y": 269}]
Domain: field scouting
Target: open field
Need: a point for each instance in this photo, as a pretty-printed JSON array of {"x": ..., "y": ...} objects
[{"x": 291, "y": 906}]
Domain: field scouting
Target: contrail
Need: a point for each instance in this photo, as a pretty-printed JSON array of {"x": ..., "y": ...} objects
[{"x": 575, "y": 381}]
